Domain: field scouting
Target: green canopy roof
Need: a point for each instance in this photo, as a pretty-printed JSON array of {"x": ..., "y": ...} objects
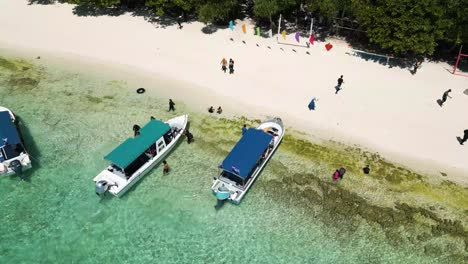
[{"x": 131, "y": 148}]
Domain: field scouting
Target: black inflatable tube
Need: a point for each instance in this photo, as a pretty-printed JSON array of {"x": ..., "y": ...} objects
[{"x": 140, "y": 90}]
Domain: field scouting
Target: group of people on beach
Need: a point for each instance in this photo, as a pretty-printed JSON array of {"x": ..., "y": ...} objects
[
  {"x": 211, "y": 110},
  {"x": 224, "y": 65}
]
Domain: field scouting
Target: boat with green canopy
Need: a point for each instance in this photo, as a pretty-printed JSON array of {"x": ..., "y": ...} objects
[{"x": 132, "y": 159}]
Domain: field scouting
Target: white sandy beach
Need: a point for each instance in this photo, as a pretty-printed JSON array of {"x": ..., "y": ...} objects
[{"x": 383, "y": 109}]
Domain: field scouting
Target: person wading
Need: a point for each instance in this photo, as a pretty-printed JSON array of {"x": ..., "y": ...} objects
[
  {"x": 171, "y": 105},
  {"x": 165, "y": 168},
  {"x": 189, "y": 136},
  {"x": 244, "y": 129}
]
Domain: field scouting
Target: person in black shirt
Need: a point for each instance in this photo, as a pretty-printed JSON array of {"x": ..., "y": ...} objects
[
  {"x": 465, "y": 137},
  {"x": 171, "y": 105},
  {"x": 444, "y": 96},
  {"x": 340, "y": 82}
]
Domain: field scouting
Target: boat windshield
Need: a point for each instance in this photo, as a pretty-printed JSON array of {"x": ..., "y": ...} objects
[{"x": 231, "y": 176}]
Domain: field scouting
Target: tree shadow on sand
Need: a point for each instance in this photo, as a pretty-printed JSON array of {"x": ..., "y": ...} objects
[
  {"x": 90, "y": 10},
  {"x": 212, "y": 28},
  {"x": 43, "y": 2}
]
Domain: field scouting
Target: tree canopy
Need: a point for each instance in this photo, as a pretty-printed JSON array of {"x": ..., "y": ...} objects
[{"x": 398, "y": 26}]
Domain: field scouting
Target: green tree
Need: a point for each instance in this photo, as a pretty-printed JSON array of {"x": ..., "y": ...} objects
[
  {"x": 457, "y": 22},
  {"x": 98, "y": 3},
  {"x": 218, "y": 10},
  {"x": 175, "y": 7},
  {"x": 404, "y": 26},
  {"x": 268, "y": 8}
]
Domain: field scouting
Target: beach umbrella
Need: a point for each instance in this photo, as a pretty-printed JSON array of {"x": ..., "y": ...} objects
[
  {"x": 297, "y": 36},
  {"x": 258, "y": 31},
  {"x": 244, "y": 29},
  {"x": 231, "y": 25},
  {"x": 283, "y": 34},
  {"x": 311, "y": 39}
]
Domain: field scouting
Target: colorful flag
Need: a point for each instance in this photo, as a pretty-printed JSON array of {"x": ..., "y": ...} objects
[
  {"x": 283, "y": 34},
  {"x": 297, "y": 36},
  {"x": 244, "y": 29},
  {"x": 231, "y": 25},
  {"x": 311, "y": 39},
  {"x": 258, "y": 31},
  {"x": 328, "y": 46}
]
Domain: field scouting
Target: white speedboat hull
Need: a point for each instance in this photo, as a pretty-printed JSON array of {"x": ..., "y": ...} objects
[
  {"x": 23, "y": 158},
  {"x": 119, "y": 185},
  {"x": 238, "y": 192}
]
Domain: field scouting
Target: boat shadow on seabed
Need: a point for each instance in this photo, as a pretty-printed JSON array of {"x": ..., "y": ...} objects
[{"x": 28, "y": 143}]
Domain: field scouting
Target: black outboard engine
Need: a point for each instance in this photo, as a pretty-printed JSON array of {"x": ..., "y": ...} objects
[
  {"x": 101, "y": 188},
  {"x": 16, "y": 166}
]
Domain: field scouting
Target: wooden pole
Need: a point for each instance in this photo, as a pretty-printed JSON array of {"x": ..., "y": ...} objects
[
  {"x": 311, "y": 26},
  {"x": 458, "y": 60},
  {"x": 279, "y": 28}
]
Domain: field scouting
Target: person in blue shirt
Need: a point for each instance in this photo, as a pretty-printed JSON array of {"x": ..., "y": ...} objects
[{"x": 244, "y": 129}]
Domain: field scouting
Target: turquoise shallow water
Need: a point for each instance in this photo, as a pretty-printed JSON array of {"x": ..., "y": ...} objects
[{"x": 71, "y": 121}]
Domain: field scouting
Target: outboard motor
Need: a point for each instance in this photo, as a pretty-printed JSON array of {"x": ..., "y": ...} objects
[
  {"x": 16, "y": 166},
  {"x": 101, "y": 188}
]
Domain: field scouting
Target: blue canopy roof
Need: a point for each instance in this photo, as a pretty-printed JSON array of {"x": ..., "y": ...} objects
[
  {"x": 8, "y": 130},
  {"x": 132, "y": 148},
  {"x": 245, "y": 154}
]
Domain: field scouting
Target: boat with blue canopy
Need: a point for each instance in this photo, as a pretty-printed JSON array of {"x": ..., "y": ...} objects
[
  {"x": 14, "y": 159},
  {"x": 135, "y": 157},
  {"x": 246, "y": 160}
]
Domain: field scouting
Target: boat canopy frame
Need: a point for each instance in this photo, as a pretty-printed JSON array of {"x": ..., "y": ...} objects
[
  {"x": 244, "y": 156},
  {"x": 127, "y": 152}
]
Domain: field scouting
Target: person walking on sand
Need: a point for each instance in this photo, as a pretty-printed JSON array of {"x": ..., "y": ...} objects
[
  {"x": 165, "y": 167},
  {"x": 171, "y": 105},
  {"x": 465, "y": 137},
  {"x": 338, "y": 86},
  {"x": 231, "y": 66},
  {"x": 224, "y": 65},
  {"x": 444, "y": 97},
  {"x": 179, "y": 19}
]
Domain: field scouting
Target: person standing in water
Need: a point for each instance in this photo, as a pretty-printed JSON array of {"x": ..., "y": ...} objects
[
  {"x": 165, "y": 167},
  {"x": 224, "y": 65},
  {"x": 231, "y": 66},
  {"x": 189, "y": 136},
  {"x": 244, "y": 129},
  {"x": 220, "y": 110},
  {"x": 171, "y": 105},
  {"x": 444, "y": 97},
  {"x": 340, "y": 82},
  {"x": 136, "y": 130},
  {"x": 211, "y": 110}
]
